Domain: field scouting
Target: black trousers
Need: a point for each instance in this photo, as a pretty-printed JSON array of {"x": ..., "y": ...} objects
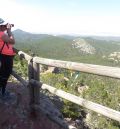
[{"x": 5, "y": 70}]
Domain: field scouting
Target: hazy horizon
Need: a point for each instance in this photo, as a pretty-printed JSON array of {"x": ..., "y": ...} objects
[{"x": 71, "y": 34}]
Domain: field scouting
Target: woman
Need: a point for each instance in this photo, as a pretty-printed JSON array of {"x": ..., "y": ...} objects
[{"x": 6, "y": 54}]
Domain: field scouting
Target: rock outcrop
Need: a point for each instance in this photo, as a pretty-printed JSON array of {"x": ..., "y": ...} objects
[
  {"x": 83, "y": 46},
  {"x": 15, "y": 112}
]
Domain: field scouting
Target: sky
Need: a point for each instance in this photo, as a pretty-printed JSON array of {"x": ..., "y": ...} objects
[{"x": 80, "y": 17}]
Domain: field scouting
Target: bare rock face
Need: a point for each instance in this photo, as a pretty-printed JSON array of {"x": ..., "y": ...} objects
[
  {"x": 115, "y": 57},
  {"x": 82, "y": 88},
  {"x": 83, "y": 46}
]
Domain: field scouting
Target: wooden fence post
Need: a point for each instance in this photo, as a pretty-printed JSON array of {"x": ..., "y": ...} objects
[
  {"x": 36, "y": 73},
  {"x": 30, "y": 87}
]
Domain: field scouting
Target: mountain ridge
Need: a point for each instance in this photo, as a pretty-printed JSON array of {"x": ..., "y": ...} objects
[
  {"x": 71, "y": 36},
  {"x": 61, "y": 46}
]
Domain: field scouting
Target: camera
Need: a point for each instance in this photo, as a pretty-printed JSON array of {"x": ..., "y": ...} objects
[{"x": 12, "y": 25}]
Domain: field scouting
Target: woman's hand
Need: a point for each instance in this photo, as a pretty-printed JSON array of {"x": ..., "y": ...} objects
[{"x": 8, "y": 26}]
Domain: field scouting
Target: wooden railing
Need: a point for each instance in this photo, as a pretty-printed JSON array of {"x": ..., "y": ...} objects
[{"x": 34, "y": 83}]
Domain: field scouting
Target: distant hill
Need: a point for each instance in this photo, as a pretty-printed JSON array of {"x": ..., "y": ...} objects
[
  {"x": 107, "y": 38},
  {"x": 66, "y": 47},
  {"x": 22, "y": 36}
]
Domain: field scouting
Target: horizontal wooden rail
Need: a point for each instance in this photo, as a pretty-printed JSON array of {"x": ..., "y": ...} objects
[
  {"x": 108, "y": 112},
  {"x": 108, "y": 71},
  {"x": 113, "y": 72},
  {"x": 19, "y": 78}
]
